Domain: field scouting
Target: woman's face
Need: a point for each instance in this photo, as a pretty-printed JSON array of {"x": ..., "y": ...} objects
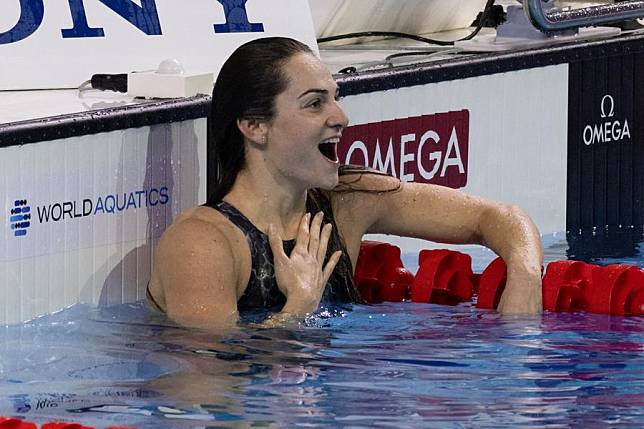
[{"x": 303, "y": 136}]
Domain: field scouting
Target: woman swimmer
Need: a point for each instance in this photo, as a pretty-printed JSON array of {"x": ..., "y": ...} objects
[{"x": 275, "y": 125}]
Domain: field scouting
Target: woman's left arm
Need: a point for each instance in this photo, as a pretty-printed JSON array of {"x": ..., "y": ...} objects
[{"x": 445, "y": 215}]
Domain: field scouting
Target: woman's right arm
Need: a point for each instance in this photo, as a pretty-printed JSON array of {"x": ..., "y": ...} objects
[{"x": 198, "y": 272}]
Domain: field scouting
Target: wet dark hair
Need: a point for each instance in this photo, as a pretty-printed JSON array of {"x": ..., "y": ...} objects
[{"x": 246, "y": 88}]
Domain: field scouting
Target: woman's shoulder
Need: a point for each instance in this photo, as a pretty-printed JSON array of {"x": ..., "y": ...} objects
[
  {"x": 197, "y": 226},
  {"x": 360, "y": 179},
  {"x": 197, "y": 261},
  {"x": 195, "y": 218},
  {"x": 360, "y": 198}
]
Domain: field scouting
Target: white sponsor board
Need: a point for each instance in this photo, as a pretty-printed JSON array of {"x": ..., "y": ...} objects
[
  {"x": 82, "y": 215},
  {"x": 513, "y": 147},
  {"x": 61, "y": 43}
]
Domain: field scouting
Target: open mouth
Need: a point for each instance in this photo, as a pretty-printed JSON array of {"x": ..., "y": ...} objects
[{"x": 329, "y": 149}]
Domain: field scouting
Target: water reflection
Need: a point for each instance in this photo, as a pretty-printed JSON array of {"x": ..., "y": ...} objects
[
  {"x": 603, "y": 246},
  {"x": 402, "y": 365},
  {"x": 245, "y": 372}
]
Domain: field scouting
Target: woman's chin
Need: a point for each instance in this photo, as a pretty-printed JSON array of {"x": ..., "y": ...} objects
[{"x": 330, "y": 182}]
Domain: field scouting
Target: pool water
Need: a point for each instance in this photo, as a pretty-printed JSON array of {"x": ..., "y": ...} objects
[{"x": 391, "y": 365}]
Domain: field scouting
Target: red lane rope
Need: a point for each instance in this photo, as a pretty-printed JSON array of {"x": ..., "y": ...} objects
[{"x": 446, "y": 277}]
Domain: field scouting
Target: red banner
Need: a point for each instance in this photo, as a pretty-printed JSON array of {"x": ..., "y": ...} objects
[{"x": 424, "y": 149}]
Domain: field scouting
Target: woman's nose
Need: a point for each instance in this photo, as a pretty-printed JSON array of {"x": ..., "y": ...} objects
[{"x": 338, "y": 118}]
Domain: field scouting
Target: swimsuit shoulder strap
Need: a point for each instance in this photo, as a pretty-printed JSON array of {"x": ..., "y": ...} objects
[{"x": 236, "y": 217}]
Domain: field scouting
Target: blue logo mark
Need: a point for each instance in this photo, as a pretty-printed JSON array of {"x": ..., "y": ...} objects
[
  {"x": 144, "y": 17},
  {"x": 20, "y": 218},
  {"x": 237, "y": 19}
]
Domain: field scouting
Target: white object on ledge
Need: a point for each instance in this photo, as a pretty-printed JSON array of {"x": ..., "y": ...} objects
[{"x": 169, "y": 81}]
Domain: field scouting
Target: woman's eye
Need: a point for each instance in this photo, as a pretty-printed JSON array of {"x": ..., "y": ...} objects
[{"x": 315, "y": 103}]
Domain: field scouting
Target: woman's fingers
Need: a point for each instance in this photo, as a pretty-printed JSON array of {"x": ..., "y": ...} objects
[
  {"x": 314, "y": 234},
  {"x": 324, "y": 241},
  {"x": 276, "y": 244},
  {"x": 303, "y": 234},
  {"x": 302, "y": 276},
  {"x": 330, "y": 266},
  {"x": 313, "y": 238}
]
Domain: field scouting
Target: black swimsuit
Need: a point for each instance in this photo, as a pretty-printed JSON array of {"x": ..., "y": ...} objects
[{"x": 262, "y": 292}]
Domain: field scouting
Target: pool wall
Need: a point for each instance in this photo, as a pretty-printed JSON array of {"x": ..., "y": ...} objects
[{"x": 83, "y": 213}]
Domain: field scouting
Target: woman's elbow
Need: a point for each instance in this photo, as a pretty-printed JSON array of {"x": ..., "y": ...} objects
[{"x": 506, "y": 221}]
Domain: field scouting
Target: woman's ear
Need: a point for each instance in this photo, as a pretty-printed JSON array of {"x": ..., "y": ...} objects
[{"x": 254, "y": 130}]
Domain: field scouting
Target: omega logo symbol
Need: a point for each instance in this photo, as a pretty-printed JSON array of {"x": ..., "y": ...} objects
[
  {"x": 610, "y": 129},
  {"x": 611, "y": 100}
]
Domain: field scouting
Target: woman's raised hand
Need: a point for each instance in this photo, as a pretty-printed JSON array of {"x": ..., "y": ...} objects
[{"x": 302, "y": 276}]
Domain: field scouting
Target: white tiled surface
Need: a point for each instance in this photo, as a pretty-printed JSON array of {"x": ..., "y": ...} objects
[
  {"x": 373, "y": 53},
  {"x": 18, "y": 106}
]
